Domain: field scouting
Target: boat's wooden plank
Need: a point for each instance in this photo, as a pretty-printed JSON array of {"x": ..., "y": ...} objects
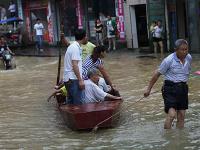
[{"x": 91, "y": 107}]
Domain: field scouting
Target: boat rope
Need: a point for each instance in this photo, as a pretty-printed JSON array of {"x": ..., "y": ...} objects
[{"x": 115, "y": 114}]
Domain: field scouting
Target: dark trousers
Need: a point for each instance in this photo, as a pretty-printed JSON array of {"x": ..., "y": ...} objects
[{"x": 175, "y": 95}]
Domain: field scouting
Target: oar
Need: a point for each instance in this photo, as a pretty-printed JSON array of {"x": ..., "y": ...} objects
[
  {"x": 59, "y": 64},
  {"x": 96, "y": 127},
  {"x": 58, "y": 73},
  {"x": 49, "y": 98}
]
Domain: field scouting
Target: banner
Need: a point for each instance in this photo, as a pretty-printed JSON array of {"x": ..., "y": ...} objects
[
  {"x": 79, "y": 15},
  {"x": 50, "y": 24},
  {"x": 120, "y": 20}
]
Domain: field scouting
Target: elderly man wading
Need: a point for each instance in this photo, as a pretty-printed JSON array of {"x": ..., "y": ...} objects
[{"x": 175, "y": 68}]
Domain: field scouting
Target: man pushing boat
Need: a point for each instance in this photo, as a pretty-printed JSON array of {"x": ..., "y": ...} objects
[{"x": 176, "y": 69}]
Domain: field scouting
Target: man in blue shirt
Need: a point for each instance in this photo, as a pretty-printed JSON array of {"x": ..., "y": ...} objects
[{"x": 175, "y": 68}]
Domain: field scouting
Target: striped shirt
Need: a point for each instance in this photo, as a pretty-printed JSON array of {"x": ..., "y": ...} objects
[
  {"x": 89, "y": 64},
  {"x": 173, "y": 70}
]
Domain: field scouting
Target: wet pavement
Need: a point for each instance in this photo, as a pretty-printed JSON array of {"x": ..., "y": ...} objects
[
  {"x": 48, "y": 51},
  {"x": 53, "y": 51}
]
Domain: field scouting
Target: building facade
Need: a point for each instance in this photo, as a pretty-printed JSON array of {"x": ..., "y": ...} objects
[
  {"x": 83, "y": 13},
  {"x": 66, "y": 16},
  {"x": 180, "y": 19},
  {"x": 136, "y": 23},
  {"x": 46, "y": 10}
]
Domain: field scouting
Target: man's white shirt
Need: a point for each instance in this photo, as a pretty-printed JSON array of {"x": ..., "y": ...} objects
[
  {"x": 39, "y": 28},
  {"x": 93, "y": 93},
  {"x": 74, "y": 52}
]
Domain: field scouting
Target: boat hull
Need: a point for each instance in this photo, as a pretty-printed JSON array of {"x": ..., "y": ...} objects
[{"x": 87, "y": 116}]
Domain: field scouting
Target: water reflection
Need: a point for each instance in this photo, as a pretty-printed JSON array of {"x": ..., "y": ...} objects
[{"x": 28, "y": 121}]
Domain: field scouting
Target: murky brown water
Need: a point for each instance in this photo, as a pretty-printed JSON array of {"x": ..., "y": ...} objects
[{"x": 28, "y": 121}]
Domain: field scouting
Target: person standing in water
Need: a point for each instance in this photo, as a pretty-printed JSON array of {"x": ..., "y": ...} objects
[
  {"x": 176, "y": 69},
  {"x": 157, "y": 32}
]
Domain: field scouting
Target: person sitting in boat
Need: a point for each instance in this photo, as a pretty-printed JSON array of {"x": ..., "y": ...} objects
[
  {"x": 4, "y": 49},
  {"x": 95, "y": 61},
  {"x": 61, "y": 90},
  {"x": 92, "y": 92}
]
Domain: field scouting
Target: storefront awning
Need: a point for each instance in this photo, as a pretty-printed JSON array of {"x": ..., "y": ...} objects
[{"x": 14, "y": 19}]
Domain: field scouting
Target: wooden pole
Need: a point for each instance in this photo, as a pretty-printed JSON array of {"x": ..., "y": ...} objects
[{"x": 59, "y": 64}]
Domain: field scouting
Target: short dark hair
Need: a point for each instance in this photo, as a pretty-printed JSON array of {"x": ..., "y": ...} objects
[
  {"x": 99, "y": 49},
  {"x": 80, "y": 34},
  {"x": 37, "y": 19}
]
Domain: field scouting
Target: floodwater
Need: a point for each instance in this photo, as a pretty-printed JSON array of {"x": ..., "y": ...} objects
[{"x": 28, "y": 121}]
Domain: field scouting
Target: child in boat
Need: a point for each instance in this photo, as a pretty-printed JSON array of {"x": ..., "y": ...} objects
[{"x": 59, "y": 90}]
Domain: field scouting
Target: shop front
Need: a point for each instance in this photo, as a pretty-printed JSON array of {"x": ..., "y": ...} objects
[
  {"x": 101, "y": 9},
  {"x": 45, "y": 10},
  {"x": 83, "y": 13},
  {"x": 70, "y": 17}
]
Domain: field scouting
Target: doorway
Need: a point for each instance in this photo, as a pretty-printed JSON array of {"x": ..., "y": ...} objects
[
  {"x": 141, "y": 24},
  {"x": 42, "y": 14},
  {"x": 181, "y": 19}
]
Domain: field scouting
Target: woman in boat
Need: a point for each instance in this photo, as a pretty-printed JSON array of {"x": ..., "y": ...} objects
[
  {"x": 95, "y": 61},
  {"x": 92, "y": 92}
]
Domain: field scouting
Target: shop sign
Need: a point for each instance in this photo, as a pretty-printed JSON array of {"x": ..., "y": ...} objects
[
  {"x": 50, "y": 24},
  {"x": 121, "y": 19},
  {"x": 79, "y": 15},
  {"x": 38, "y": 3}
]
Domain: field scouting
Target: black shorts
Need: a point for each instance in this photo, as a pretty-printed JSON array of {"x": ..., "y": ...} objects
[
  {"x": 155, "y": 39},
  {"x": 175, "y": 95}
]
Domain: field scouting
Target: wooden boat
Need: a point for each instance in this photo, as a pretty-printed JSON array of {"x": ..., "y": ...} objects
[{"x": 87, "y": 116}]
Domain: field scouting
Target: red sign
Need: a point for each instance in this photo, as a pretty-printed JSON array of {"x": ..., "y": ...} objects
[
  {"x": 121, "y": 20},
  {"x": 79, "y": 15},
  {"x": 50, "y": 25}
]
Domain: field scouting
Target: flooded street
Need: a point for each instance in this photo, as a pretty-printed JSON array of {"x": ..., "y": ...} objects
[{"x": 28, "y": 121}]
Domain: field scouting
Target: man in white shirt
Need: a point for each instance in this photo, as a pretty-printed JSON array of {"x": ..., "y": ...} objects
[
  {"x": 38, "y": 29},
  {"x": 94, "y": 93},
  {"x": 72, "y": 75}
]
